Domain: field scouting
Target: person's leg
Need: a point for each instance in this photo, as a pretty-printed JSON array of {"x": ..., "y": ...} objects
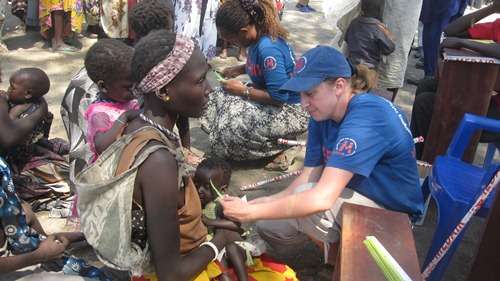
[
  {"x": 58, "y": 27},
  {"x": 426, "y": 85},
  {"x": 421, "y": 116},
  {"x": 283, "y": 238},
  {"x": 430, "y": 39},
  {"x": 236, "y": 256}
]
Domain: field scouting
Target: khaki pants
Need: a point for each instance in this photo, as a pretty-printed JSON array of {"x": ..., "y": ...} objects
[
  {"x": 303, "y": 2},
  {"x": 285, "y": 236}
]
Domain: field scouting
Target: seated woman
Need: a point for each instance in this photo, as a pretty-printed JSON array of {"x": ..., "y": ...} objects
[
  {"x": 21, "y": 234},
  {"x": 359, "y": 150},
  {"x": 138, "y": 190},
  {"x": 244, "y": 122}
]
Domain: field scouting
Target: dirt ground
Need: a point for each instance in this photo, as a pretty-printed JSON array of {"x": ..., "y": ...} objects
[{"x": 307, "y": 30}]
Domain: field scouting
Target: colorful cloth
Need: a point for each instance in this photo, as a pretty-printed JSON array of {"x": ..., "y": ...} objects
[
  {"x": 374, "y": 142},
  {"x": 114, "y": 18},
  {"x": 75, "y": 16},
  {"x": 91, "y": 9},
  {"x": 264, "y": 269},
  {"x": 243, "y": 130},
  {"x": 211, "y": 272},
  {"x": 486, "y": 31},
  {"x": 100, "y": 117},
  {"x": 165, "y": 71},
  {"x": 21, "y": 238},
  {"x": 188, "y": 17}
]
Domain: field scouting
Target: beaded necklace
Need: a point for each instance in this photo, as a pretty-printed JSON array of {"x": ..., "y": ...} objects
[{"x": 164, "y": 130}]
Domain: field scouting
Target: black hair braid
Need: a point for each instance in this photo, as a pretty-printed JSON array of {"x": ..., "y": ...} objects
[
  {"x": 253, "y": 9},
  {"x": 150, "y": 50},
  {"x": 107, "y": 60},
  {"x": 233, "y": 15},
  {"x": 151, "y": 15}
]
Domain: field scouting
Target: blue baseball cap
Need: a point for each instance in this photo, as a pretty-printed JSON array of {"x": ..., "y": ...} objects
[{"x": 315, "y": 66}]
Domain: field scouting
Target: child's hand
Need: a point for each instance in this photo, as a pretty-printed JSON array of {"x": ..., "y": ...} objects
[
  {"x": 51, "y": 248},
  {"x": 132, "y": 114}
]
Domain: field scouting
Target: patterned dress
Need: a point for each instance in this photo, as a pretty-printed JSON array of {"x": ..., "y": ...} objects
[
  {"x": 73, "y": 7},
  {"x": 187, "y": 23},
  {"x": 239, "y": 129}
]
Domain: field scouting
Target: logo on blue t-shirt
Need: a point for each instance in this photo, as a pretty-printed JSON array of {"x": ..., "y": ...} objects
[
  {"x": 270, "y": 63},
  {"x": 346, "y": 146},
  {"x": 300, "y": 64}
]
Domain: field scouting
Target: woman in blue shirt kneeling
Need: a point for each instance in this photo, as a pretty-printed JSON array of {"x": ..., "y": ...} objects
[
  {"x": 359, "y": 150},
  {"x": 245, "y": 121}
]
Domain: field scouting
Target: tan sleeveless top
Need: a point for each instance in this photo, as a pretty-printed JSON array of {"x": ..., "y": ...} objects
[{"x": 192, "y": 230}]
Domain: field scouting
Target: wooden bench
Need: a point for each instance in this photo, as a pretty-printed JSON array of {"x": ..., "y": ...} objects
[{"x": 392, "y": 229}]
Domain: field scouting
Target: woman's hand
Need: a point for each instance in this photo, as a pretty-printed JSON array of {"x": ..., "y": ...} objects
[
  {"x": 234, "y": 87},
  {"x": 233, "y": 71},
  {"x": 51, "y": 248},
  {"x": 236, "y": 209}
]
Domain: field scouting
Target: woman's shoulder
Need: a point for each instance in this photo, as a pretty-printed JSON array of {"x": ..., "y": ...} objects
[{"x": 269, "y": 42}]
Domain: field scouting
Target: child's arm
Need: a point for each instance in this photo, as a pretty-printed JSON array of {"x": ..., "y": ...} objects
[
  {"x": 49, "y": 249},
  {"x": 103, "y": 140},
  {"x": 14, "y": 131},
  {"x": 385, "y": 40},
  {"x": 222, "y": 223}
]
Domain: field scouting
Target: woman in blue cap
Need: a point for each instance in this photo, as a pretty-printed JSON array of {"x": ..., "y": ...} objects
[{"x": 359, "y": 150}]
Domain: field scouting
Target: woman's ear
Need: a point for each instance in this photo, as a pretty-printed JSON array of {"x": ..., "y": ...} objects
[{"x": 340, "y": 86}]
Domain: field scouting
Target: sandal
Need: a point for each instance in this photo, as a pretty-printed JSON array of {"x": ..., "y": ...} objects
[
  {"x": 281, "y": 162},
  {"x": 65, "y": 49}
]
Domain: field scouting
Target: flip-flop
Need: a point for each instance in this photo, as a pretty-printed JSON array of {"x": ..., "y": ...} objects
[{"x": 65, "y": 49}]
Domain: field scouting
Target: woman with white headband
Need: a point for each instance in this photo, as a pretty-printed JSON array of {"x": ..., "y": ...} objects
[{"x": 139, "y": 208}]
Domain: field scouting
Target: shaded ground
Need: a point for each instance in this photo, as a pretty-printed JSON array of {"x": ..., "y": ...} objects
[{"x": 307, "y": 31}]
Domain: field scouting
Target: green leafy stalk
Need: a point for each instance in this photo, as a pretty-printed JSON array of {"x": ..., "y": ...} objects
[
  {"x": 219, "y": 194},
  {"x": 219, "y": 77}
]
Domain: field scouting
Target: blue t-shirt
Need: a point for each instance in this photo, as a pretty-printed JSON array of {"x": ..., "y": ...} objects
[
  {"x": 269, "y": 65},
  {"x": 373, "y": 142}
]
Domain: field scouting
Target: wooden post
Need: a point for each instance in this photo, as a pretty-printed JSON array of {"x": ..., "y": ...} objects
[{"x": 465, "y": 87}]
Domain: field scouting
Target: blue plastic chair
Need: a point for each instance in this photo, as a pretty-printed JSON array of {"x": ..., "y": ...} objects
[{"x": 455, "y": 185}]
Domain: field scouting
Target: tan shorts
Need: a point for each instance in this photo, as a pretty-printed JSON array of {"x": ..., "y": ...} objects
[{"x": 282, "y": 235}]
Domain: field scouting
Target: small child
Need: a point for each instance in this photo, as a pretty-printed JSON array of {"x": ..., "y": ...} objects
[
  {"x": 25, "y": 96},
  {"x": 108, "y": 65},
  {"x": 367, "y": 37},
  {"x": 210, "y": 175}
]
